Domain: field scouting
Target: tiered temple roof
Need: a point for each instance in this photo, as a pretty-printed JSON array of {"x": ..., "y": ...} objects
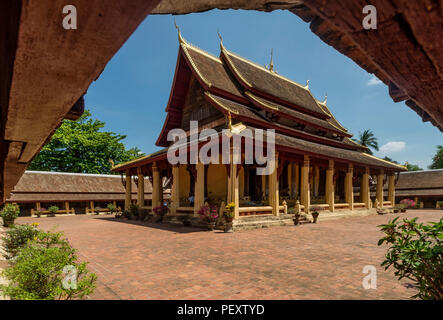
[{"x": 259, "y": 98}]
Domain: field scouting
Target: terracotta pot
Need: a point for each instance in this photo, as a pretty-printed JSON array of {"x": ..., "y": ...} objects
[
  {"x": 296, "y": 219},
  {"x": 315, "y": 216},
  {"x": 211, "y": 225}
]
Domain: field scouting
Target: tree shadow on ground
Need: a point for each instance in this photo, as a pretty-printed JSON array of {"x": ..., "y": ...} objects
[{"x": 156, "y": 225}]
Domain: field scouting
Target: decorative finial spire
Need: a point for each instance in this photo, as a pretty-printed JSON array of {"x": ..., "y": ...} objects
[
  {"x": 307, "y": 84},
  {"x": 326, "y": 99},
  {"x": 271, "y": 64},
  {"x": 180, "y": 39},
  {"x": 221, "y": 40}
]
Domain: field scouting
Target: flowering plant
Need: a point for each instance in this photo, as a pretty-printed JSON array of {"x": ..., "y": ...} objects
[
  {"x": 409, "y": 203},
  {"x": 317, "y": 208},
  {"x": 208, "y": 213},
  {"x": 230, "y": 210},
  {"x": 161, "y": 210}
]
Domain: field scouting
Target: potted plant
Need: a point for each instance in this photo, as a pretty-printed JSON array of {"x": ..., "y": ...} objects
[
  {"x": 315, "y": 211},
  {"x": 209, "y": 214},
  {"x": 39, "y": 213},
  {"x": 52, "y": 210},
  {"x": 161, "y": 211},
  {"x": 9, "y": 213},
  {"x": 229, "y": 216},
  {"x": 133, "y": 211},
  {"x": 112, "y": 209}
]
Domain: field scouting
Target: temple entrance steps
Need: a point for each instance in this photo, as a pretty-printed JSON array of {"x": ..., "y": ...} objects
[
  {"x": 262, "y": 221},
  {"x": 342, "y": 214},
  {"x": 268, "y": 220}
]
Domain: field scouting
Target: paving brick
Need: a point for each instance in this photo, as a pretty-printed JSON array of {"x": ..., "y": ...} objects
[{"x": 137, "y": 260}]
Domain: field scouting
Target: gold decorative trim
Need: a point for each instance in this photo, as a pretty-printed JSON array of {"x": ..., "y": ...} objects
[
  {"x": 262, "y": 68},
  {"x": 216, "y": 101},
  {"x": 253, "y": 97},
  {"x": 383, "y": 160},
  {"x": 185, "y": 50},
  {"x": 226, "y": 54},
  {"x": 138, "y": 159}
]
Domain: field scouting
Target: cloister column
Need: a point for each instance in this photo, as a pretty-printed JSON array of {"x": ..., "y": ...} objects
[
  {"x": 199, "y": 194},
  {"x": 233, "y": 180},
  {"x": 330, "y": 194},
  {"x": 140, "y": 188},
  {"x": 379, "y": 191},
  {"x": 263, "y": 185},
  {"x": 316, "y": 180},
  {"x": 391, "y": 189},
  {"x": 349, "y": 189},
  {"x": 156, "y": 186},
  {"x": 364, "y": 189},
  {"x": 128, "y": 190},
  {"x": 304, "y": 188},
  {"x": 273, "y": 188},
  {"x": 297, "y": 180},
  {"x": 290, "y": 179},
  {"x": 175, "y": 190}
]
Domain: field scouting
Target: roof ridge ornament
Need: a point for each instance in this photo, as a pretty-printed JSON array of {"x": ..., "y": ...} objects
[
  {"x": 307, "y": 85},
  {"x": 180, "y": 38},
  {"x": 326, "y": 99},
  {"x": 221, "y": 40}
]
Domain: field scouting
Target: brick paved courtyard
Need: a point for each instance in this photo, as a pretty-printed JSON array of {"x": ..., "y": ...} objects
[{"x": 135, "y": 260}]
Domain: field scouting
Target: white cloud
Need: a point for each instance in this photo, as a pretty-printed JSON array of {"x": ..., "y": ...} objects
[
  {"x": 373, "y": 81},
  {"x": 391, "y": 147}
]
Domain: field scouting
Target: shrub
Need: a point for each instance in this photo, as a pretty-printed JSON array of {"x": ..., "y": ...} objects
[
  {"x": 17, "y": 237},
  {"x": 208, "y": 213},
  {"x": 133, "y": 210},
  {"x": 9, "y": 213},
  {"x": 415, "y": 253},
  {"x": 53, "y": 210},
  {"x": 111, "y": 208},
  {"x": 126, "y": 214},
  {"x": 38, "y": 271},
  {"x": 408, "y": 203}
]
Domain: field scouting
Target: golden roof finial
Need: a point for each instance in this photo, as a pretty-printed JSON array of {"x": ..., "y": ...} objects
[
  {"x": 180, "y": 38},
  {"x": 271, "y": 64},
  {"x": 221, "y": 40},
  {"x": 326, "y": 99}
]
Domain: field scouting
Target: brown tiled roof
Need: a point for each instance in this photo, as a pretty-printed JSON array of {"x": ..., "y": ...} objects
[
  {"x": 42, "y": 186},
  {"x": 295, "y": 114},
  {"x": 427, "y": 179},
  {"x": 419, "y": 192},
  {"x": 333, "y": 152},
  {"x": 241, "y": 110},
  {"x": 260, "y": 78},
  {"x": 211, "y": 69}
]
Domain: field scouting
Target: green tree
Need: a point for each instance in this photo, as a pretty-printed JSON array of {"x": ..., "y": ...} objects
[
  {"x": 413, "y": 167},
  {"x": 367, "y": 139},
  {"x": 437, "y": 160},
  {"x": 81, "y": 146},
  {"x": 391, "y": 160}
]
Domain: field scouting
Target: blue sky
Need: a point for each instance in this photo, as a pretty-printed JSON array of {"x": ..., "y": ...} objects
[{"x": 132, "y": 92}]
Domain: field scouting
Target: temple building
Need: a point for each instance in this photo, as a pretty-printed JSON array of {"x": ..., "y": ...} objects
[{"x": 315, "y": 160}]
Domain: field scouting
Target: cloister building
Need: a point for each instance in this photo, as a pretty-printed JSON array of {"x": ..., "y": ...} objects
[{"x": 316, "y": 161}]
